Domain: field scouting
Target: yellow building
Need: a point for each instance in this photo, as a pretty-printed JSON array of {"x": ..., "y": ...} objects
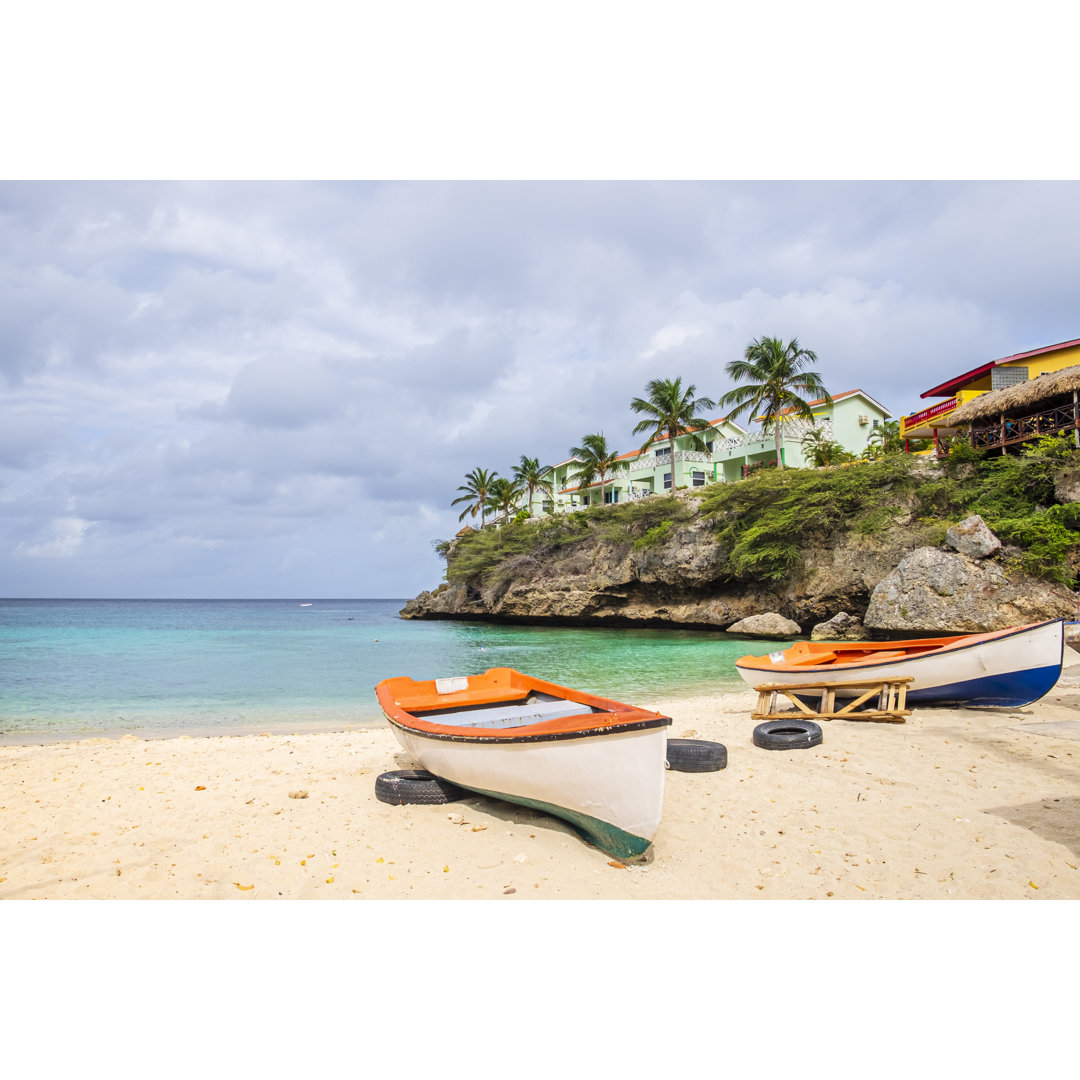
[{"x": 934, "y": 422}]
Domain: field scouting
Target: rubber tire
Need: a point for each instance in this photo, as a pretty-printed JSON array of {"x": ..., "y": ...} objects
[
  {"x": 787, "y": 734},
  {"x": 415, "y": 787},
  {"x": 695, "y": 755}
]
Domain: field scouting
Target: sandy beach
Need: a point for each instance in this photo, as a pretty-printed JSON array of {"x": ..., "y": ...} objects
[{"x": 951, "y": 804}]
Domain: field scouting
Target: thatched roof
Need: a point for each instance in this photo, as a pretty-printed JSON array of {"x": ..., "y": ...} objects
[{"x": 1026, "y": 396}]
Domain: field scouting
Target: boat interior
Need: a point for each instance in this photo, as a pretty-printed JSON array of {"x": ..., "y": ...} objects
[
  {"x": 827, "y": 654},
  {"x": 534, "y": 708}
]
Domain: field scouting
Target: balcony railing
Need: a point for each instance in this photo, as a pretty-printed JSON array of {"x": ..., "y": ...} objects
[
  {"x": 938, "y": 413},
  {"x": 1017, "y": 429}
]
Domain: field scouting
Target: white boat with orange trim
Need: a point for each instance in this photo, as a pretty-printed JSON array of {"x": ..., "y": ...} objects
[
  {"x": 1003, "y": 668},
  {"x": 596, "y": 763}
]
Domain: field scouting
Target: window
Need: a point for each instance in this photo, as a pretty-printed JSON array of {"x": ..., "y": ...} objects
[
  {"x": 663, "y": 453},
  {"x": 875, "y": 423},
  {"x": 667, "y": 480},
  {"x": 699, "y": 478},
  {"x": 1001, "y": 377},
  {"x": 584, "y": 500},
  {"x": 709, "y": 446},
  {"x": 611, "y": 496}
]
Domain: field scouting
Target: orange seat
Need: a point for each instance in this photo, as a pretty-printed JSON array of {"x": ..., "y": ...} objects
[{"x": 812, "y": 658}]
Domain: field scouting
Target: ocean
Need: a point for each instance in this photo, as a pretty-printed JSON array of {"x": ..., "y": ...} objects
[{"x": 75, "y": 669}]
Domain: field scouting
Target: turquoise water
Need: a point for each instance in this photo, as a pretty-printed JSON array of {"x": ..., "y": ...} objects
[{"x": 80, "y": 668}]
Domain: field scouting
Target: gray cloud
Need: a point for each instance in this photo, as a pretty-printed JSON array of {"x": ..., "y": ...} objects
[{"x": 275, "y": 388}]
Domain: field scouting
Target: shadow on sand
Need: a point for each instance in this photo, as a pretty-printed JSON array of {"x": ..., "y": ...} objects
[{"x": 1052, "y": 819}]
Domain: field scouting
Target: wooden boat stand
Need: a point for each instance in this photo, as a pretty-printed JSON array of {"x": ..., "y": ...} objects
[{"x": 891, "y": 704}]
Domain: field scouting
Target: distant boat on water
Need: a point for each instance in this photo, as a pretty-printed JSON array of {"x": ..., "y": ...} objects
[
  {"x": 1002, "y": 669},
  {"x": 305, "y": 605}
]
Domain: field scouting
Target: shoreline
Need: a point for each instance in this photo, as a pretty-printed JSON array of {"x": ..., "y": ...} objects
[
  {"x": 953, "y": 803},
  {"x": 270, "y": 724}
]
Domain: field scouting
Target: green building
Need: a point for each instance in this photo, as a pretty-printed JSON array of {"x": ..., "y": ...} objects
[{"x": 731, "y": 452}]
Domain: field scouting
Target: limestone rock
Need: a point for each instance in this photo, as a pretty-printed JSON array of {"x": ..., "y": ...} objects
[
  {"x": 972, "y": 537},
  {"x": 1067, "y": 485},
  {"x": 938, "y": 591},
  {"x": 770, "y": 624},
  {"x": 841, "y": 627}
]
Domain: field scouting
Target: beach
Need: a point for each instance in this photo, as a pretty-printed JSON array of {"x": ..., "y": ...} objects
[{"x": 951, "y": 804}]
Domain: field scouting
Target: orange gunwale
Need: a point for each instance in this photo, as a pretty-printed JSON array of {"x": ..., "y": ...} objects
[
  {"x": 835, "y": 654},
  {"x": 402, "y": 699}
]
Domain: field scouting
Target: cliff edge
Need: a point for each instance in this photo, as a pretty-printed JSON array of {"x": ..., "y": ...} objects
[{"x": 889, "y": 542}]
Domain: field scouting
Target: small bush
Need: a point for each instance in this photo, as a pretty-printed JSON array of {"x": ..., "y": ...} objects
[{"x": 656, "y": 535}]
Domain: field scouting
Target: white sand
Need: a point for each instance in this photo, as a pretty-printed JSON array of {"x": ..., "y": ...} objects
[{"x": 950, "y": 804}]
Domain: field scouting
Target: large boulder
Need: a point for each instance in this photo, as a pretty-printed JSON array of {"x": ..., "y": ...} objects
[
  {"x": 841, "y": 627},
  {"x": 938, "y": 591},
  {"x": 770, "y": 625},
  {"x": 972, "y": 537}
]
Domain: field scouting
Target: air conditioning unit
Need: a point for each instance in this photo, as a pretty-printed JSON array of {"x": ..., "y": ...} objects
[{"x": 864, "y": 420}]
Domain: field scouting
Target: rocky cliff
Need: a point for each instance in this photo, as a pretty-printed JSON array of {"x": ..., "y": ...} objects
[{"x": 690, "y": 562}]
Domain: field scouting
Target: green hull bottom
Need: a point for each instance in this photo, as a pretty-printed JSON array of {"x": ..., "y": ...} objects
[{"x": 608, "y": 838}]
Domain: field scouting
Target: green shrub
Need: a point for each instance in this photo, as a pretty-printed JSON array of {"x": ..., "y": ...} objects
[
  {"x": 765, "y": 523},
  {"x": 656, "y": 535},
  {"x": 1049, "y": 537},
  {"x": 766, "y": 520},
  {"x": 1054, "y": 447}
]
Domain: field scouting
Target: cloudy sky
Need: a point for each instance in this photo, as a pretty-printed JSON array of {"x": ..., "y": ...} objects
[
  {"x": 267, "y": 387},
  {"x": 274, "y": 389}
]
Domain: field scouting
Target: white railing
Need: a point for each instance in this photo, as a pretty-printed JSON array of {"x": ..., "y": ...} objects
[{"x": 794, "y": 430}]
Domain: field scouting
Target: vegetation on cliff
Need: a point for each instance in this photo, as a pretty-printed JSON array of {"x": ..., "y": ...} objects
[{"x": 763, "y": 524}]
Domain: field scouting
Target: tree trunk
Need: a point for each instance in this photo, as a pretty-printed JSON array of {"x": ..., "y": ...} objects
[{"x": 779, "y": 454}]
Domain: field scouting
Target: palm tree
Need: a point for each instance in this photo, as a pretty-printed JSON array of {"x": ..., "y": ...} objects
[
  {"x": 503, "y": 497},
  {"x": 820, "y": 450},
  {"x": 774, "y": 374},
  {"x": 673, "y": 411},
  {"x": 529, "y": 476},
  {"x": 885, "y": 439},
  {"x": 597, "y": 461},
  {"x": 477, "y": 488}
]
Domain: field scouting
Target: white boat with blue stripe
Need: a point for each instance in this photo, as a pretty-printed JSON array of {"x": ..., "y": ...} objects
[{"x": 1000, "y": 669}]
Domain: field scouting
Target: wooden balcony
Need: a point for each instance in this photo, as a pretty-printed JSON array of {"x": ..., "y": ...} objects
[{"x": 1009, "y": 430}]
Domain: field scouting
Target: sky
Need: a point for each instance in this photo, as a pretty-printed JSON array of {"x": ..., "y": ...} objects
[
  {"x": 219, "y": 378},
  {"x": 243, "y": 389}
]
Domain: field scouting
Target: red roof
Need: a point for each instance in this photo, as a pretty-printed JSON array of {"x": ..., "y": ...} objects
[{"x": 947, "y": 389}]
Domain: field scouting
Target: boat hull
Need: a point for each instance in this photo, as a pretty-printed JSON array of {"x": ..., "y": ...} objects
[
  {"x": 608, "y": 786},
  {"x": 1007, "y": 669},
  {"x": 595, "y": 762}
]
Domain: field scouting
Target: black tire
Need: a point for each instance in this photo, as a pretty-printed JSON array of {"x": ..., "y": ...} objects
[
  {"x": 415, "y": 787},
  {"x": 787, "y": 734},
  {"x": 695, "y": 755}
]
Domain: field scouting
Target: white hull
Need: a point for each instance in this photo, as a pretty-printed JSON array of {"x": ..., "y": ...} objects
[
  {"x": 613, "y": 778},
  {"x": 1009, "y": 671}
]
